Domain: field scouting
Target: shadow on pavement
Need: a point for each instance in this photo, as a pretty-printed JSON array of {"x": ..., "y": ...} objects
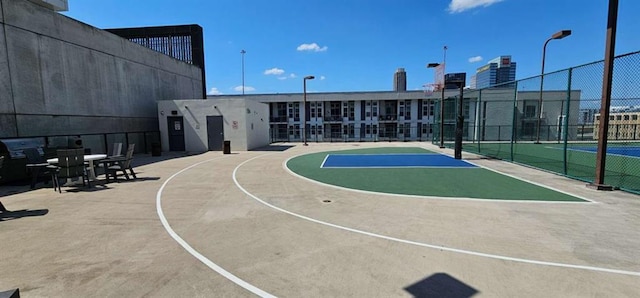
[
  {"x": 441, "y": 285},
  {"x": 9, "y": 215}
]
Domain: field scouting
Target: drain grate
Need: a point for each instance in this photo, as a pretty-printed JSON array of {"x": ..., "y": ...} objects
[{"x": 326, "y": 201}]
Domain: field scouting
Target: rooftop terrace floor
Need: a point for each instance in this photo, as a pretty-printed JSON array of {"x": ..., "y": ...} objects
[{"x": 237, "y": 225}]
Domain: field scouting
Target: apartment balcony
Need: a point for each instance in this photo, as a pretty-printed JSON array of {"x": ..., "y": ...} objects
[
  {"x": 279, "y": 119},
  {"x": 387, "y": 118}
]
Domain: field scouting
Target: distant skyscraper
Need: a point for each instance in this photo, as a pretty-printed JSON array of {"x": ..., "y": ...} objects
[
  {"x": 498, "y": 71},
  {"x": 473, "y": 84},
  {"x": 400, "y": 80}
]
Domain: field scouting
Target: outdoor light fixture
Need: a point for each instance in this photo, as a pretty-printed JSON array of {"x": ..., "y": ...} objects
[
  {"x": 558, "y": 35},
  {"x": 304, "y": 108},
  {"x": 242, "y": 53}
]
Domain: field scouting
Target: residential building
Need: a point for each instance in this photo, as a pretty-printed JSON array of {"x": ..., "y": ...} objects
[{"x": 623, "y": 124}]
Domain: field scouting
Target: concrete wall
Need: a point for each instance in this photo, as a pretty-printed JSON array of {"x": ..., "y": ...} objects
[
  {"x": 257, "y": 124},
  {"x": 59, "y": 76},
  {"x": 500, "y": 110},
  {"x": 245, "y": 123}
]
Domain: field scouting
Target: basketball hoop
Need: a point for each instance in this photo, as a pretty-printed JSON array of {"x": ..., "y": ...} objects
[{"x": 429, "y": 89}]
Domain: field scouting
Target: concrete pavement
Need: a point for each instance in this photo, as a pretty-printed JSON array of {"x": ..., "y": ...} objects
[{"x": 249, "y": 226}]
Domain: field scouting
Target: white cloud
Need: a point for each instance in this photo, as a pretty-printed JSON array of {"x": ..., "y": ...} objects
[
  {"x": 457, "y": 6},
  {"x": 274, "y": 71},
  {"x": 322, "y": 78},
  {"x": 282, "y": 78},
  {"x": 313, "y": 47},
  {"x": 214, "y": 91},
  {"x": 292, "y": 76},
  {"x": 475, "y": 59},
  {"x": 246, "y": 89}
]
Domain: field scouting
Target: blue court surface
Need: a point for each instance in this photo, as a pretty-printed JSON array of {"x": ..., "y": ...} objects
[
  {"x": 393, "y": 161},
  {"x": 625, "y": 151}
]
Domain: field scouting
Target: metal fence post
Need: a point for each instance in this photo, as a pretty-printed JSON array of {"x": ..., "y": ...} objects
[{"x": 565, "y": 125}]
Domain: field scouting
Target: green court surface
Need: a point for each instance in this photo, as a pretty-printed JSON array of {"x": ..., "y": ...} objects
[
  {"x": 477, "y": 182},
  {"x": 621, "y": 171}
]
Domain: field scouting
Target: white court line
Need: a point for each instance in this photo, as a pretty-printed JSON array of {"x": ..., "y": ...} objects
[
  {"x": 537, "y": 184},
  {"x": 444, "y": 248},
  {"x": 325, "y": 160},
  {"x": 588, "y": 201},
  {"x": 228, "y": 275}
]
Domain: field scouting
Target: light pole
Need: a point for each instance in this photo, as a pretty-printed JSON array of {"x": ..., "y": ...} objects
[
  {"x": 242, "y": 53},
  {"x": 558, "y": 35},
  {"x": 433, "y": 65},
  {"x": 304, "y": 108},
  {"x": 605, "y": 102}
]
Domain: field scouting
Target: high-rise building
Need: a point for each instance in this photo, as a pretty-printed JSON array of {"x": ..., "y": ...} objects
[
  {"x": 400, "y": 80},
  {"x": 498, "y": 71}
]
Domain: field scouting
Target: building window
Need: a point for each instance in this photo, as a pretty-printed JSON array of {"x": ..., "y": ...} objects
[
  {"x": 634, "y": 117},
  {"x": 626, "y": 117},
  {"x": 530, "y": 111},
  {"x": 407, "y": 106},
  {"x": 619, "y": 117},
  {"x": 375, "y": 129}
]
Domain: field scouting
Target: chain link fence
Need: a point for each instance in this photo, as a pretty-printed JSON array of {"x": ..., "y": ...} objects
[{"x": 551, "y": 122}]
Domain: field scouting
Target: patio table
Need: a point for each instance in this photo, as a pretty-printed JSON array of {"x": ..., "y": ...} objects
[{"x": 90, "y": 158}]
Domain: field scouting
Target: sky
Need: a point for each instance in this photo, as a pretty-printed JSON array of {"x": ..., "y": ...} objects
[{"x": 357, "y": 45}]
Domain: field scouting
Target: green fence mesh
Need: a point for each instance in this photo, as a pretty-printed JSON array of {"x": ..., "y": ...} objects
[{"x": 551, "y": 122}]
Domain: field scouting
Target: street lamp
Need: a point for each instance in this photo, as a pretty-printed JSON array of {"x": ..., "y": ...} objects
[
  {"x": 242, "y": 53},
  {"x": 304, "y": 108},
  {"x": 434, "y": 65},
  {"x": 558, "y": 35}
]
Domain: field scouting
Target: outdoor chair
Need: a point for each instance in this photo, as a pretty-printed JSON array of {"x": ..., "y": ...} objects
[
  {"x": 37, "y": 165},
  {"x": 117, "y": 150},
  {"x": 120, "y": 164},
  {"x": 71, "y": 165}
]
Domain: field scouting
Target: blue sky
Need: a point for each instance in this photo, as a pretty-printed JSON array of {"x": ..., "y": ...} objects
[{"x": 357, "y": 45}]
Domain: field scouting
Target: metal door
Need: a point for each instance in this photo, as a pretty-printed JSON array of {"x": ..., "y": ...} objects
[
  {"x": 176, "y": 133},
  {"x": 215, "y": 132}
]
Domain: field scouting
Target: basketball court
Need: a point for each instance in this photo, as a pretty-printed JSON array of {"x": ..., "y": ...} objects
[{"x": 291, "y": 221}]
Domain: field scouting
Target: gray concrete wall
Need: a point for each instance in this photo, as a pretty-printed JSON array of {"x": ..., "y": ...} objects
[
  {"x": 59, "y": 76},
  {"x": 246, "y": 123},
  {"x": 500, "y": 109},
  {"x": 257, "y": 124}
]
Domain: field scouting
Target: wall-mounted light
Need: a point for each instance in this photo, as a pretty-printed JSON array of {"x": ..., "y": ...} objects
[{"x": 162, "y": 113}]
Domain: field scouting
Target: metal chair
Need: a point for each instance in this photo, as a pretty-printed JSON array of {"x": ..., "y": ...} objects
[
  {"x": 113, "y": 165},
  {"x": 71, "y": 165},
  {"x": 37, "y": 165},
  {"x": 117, "y": 150}
]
